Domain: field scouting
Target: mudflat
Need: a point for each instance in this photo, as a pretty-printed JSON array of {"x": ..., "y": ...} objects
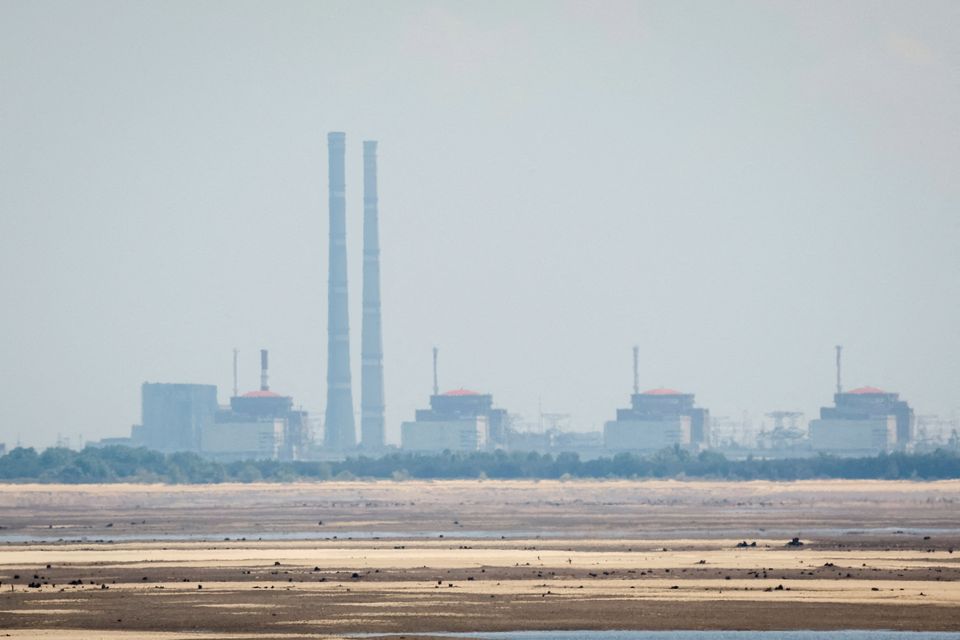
[{"x": 326, "y": 559}]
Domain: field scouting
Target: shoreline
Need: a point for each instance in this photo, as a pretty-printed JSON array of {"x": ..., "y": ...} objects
[{"x": 414, "y": 584}]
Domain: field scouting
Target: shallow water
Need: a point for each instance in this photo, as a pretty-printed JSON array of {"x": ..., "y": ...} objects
[
  {"x": 272, "y": 536},
  {"x": 475, "y": 534}
]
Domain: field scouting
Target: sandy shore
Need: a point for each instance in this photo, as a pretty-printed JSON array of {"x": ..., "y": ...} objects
[
  {"x": 514, "y": 555},
  {"x": 588, "y": 509}
]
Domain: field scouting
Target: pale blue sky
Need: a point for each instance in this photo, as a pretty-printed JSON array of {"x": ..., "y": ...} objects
[{"x": 733, "y": 186}]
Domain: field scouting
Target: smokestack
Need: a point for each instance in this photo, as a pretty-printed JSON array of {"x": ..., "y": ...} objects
[
  {"x": 436, "y": 387},
  {"x": 839, "y": 348},
  {"x": 339, "y": 428},
  {"x": 264, "y": 381},
  {"x": 636, "y": 370},
  {"x": 372, "y": 421},
  {"x": 236, "y": 373}
]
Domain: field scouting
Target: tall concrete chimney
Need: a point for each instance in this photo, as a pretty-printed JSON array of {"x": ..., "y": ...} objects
[
  {"x": 264, "y": 380},
  {"x": 636, "y": 370},
  {"x": 372, "y": 421},
  {"x": 339, "y": 428}
]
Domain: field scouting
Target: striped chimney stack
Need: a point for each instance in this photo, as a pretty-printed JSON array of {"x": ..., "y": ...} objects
[
  {"x": 339, "y": 427},
  {"x": 372, "y": 423}
]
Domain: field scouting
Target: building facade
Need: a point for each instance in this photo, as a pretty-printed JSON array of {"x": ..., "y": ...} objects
[
  {"x": 462, "y": 420},
  {"x": 656, "y": 419},
  {"x": 253, "y": 440},
  {"x": 863, "y": 421},
  {"x": 434, "y": 436},
  {"x": 262, "y": 407},
  {"x": 174, "y": 415}
]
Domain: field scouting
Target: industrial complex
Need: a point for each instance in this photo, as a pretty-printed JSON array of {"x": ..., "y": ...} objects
[
  {"x": 255, "y": 425},
  {"x": 265, "y": 424}
]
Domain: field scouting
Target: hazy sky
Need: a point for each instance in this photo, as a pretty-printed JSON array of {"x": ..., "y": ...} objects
[{"x": 735, "y": 187}]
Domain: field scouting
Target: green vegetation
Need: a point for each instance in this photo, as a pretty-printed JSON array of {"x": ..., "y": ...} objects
[{"x": 125, "y": 464}]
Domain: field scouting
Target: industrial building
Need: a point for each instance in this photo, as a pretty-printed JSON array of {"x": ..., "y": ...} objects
[
  {"x": 458, "y": 420},
  {"x": 251, "y": 439},
  {"x": 173, "y": 416},
  {"x": 863, "y": 421},
  {"x": 586, "y": 444},
  {"x": 259, "y": 424},
  {"x": 459, "y": 434},
  {"x": 656, "y": 419}
]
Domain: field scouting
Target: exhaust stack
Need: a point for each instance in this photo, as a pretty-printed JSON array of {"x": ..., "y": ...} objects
[
  {"x": 236, "y": 373},
  {"x": 264, "y": 379},
  {"x": 636, "y": 370},
  {"x": 372, "y": 421},
  {"x": 339, "y": 427},
  {"x": 839, "y": 349}
]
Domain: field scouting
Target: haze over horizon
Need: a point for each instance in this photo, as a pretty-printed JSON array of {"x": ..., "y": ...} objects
[{"x": 733, "y": 187}]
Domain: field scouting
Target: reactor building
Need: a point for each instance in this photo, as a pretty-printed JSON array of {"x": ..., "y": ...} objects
[
  {"x": 458, "y": 420},
  {"x": 656, "y": 419},
  {"x": 258, "y": 425},
  {"x": 863, "y": 421}
]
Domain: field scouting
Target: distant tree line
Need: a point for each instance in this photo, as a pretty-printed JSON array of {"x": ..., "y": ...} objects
[{"x": 126, "y": 464}]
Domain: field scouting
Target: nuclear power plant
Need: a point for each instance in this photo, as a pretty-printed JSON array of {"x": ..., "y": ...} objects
[{"x": 264, "y": 424}]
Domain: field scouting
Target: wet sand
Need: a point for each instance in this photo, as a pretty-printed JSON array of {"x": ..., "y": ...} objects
[{"x": 514, "y": 555}]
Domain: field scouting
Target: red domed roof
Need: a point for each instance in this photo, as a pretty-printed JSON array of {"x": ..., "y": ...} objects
[
  {"x": 461, "y": 392},
  {"x": 662, "y": 392},
  {"x": 262, "y": 394},
  {"x": 867, "y": 391}
]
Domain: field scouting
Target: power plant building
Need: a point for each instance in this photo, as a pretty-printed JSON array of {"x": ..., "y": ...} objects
[
  {"x": 173, "y": 416},
  {"x": 259, "y": 424},
  {"x": 459, "y": 420},
  {"x": 656, "y": 419},
  {"x": 254, "y": 439},
  {"x": 863, "y": 421}
]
